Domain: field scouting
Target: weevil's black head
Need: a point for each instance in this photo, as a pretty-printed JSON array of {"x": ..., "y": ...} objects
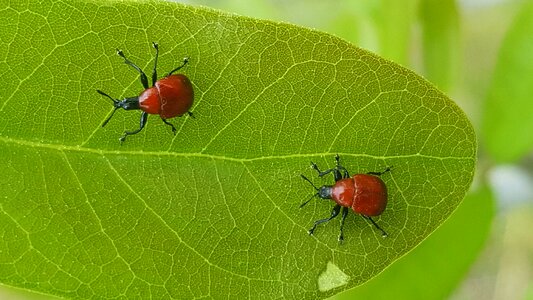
[
  {"x": 126, "y": 104},
  {"x": 324, "y": 192}
]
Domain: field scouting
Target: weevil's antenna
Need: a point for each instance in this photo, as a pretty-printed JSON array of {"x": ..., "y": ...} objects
[
  {"x": 303, "y": 204},
  {"x": 315, "y": 195},
  {"x": 309, "y": 182},
  {"x": 116, "y": 103}
]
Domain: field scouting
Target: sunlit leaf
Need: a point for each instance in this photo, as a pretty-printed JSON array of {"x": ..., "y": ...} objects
[{"x": 437, "y": 273}]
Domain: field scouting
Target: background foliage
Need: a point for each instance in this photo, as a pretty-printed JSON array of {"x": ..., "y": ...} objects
[{"x": 480, "y": 53}]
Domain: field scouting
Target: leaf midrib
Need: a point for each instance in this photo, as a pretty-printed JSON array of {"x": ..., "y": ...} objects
[{"x": 80, "y": 149}]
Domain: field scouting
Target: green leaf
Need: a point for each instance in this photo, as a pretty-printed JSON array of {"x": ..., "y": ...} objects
[
  {"x": 507, "y": 121},
  {"x": 214, "y": 210},
  {"x": 396, "y": 19},
  {"x": 436, "y": 273},
  {"x": 440, "y": 33}
]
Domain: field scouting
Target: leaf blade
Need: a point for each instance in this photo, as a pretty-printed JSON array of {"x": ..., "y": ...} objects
[{"x": 508, "y": 104}]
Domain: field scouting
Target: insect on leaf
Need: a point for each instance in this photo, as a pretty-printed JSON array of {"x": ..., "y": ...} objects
[{"x": 212, "y": 211}]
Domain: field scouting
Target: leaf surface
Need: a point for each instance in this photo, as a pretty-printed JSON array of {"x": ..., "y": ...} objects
[
  {"x": 507, "y": 122},
  {"x": 440, "y": 35},
  {"x": 214, "y": 210},
  {"x": 463, "y": 236}
]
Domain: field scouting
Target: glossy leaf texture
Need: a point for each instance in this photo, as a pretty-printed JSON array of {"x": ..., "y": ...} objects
[{"x": 214, "y": 210}]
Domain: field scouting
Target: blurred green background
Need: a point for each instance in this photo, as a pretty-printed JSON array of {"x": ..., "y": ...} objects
[{"x": 479, "y": 52}]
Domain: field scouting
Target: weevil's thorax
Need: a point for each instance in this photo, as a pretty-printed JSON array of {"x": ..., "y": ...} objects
[
  {"x": 149, "y": 101},
  {"x": 343, "y": 192}
]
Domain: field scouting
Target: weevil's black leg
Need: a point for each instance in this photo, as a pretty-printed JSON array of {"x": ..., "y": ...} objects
[
  {"x": 339, "y": 168},
  {"x": 346, "y": 173},
  {"x": 344, "y": 214},
  {"x": 383, "y": 233},
  {"x": 169, "y": 124},
  {"x": 334, "y": 212},
  {"x": 191, "y": 115},
  {"x": 144, "y": 117},
  {"x": 144, "y": 80},
  {"x": 321, "y": 173},
  {"x": 185, "y": 61},
  {"x": 154, "y": 73},
  {"x": 388, "y": 169},
  {"x": 337, "y": 174},
  {"x": 336, "y": 171}
]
